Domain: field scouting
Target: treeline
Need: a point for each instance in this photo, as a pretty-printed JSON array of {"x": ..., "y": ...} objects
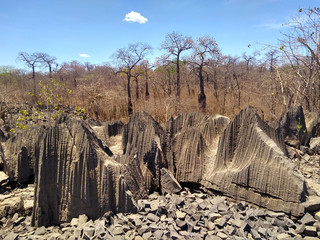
[{"x": 191, "y": 75}]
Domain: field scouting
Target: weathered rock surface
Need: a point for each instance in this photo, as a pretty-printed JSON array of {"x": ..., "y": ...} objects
[
  {"x": 292, "y": 126},
  {"x": 168, "y": 182},
  {"x": 312, "y": 120},
  {"x": 251, "y": 164},
  {"x": 141, "y": 143},
  {"x": 75, "y": 173},
  {"x": 190, "y": 143},
  {"x": 20, "y": 154},
  {"x": 79, "y": 169}
]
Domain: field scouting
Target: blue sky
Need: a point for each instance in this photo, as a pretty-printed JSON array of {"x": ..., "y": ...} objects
[{"x": 97, "y": 28}]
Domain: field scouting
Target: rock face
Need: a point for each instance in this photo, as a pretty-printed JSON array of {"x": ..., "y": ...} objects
[
  {"x": 75, "y": 173},
  {"x": 292, "y": 126},
  {"x": 141, "y": 143},
  {"x": 82, "y": 169},
  {"x": 251, "y": 164},
  {"x": 190, "y": 143},
  {"x": 19, "y": 153}
]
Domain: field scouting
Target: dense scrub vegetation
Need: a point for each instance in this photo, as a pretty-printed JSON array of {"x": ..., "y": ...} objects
[{"x": 192, "y": 75}]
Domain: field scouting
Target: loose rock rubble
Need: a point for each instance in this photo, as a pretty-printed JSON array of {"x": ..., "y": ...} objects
[{"x": 187, "y": 215}]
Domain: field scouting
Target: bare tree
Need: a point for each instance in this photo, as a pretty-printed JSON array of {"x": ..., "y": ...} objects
[
  {"x": 71, "y": 71},
  {"x": 31, "y": 60},
  {"x": 175, "y": 44},
  {"x": 204, "y": 48},
  {"x": 127, "y": 58},
  {"x": 146, "y": 65},
  {"x": 249, "y": 59},
  {"x": 48, "y": 60},
  {"x": 272, "y": 57},
  {"x": 89, "y": 67},
  {"x": 300, "y": 48}
]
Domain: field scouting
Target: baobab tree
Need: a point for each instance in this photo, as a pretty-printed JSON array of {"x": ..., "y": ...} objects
[
  {"x": 47, "y": 60},
  {"x": 174, "y": 44},
  {"x": 204, "y": 49},
  {"x": 31, "y": 60},
  {"x": 127, "y": 58}
]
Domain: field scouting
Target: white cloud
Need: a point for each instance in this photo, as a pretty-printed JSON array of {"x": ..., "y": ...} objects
[
  {"x": 84, "y": 55},
  {"x": 273, "y": 25},
  {"x": 135, "y": 17}
]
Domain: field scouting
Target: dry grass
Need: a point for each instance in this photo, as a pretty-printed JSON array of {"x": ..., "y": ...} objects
[{"x": 105, "y": 97}]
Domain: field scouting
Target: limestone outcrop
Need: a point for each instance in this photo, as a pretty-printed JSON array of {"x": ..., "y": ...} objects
[
  {"x": 80, "y": 168},
  {"x": 252, "y": 164},
  {"x": 190, "y": 143},
  {"x": 292, "y": 126},
  {"x": 75, "y": 173},
  {"x": 141, "y": 141},
  {"x": 19, "y": 154}
]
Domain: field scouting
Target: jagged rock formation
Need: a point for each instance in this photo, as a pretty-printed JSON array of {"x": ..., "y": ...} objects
[
  {"x": 251, "y": 164},
  {"x": 141, "y": 143},
  {"x": 19, "y": 154},
  {"x": 292, "y": 126},
  {"x": 75, "y": 173},
  {"x": 189, "y": 144},
  {"x": 83, "y": 169}
]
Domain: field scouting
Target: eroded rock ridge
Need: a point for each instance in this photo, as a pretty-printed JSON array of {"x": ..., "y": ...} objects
[{"x": 81, "y": 168}]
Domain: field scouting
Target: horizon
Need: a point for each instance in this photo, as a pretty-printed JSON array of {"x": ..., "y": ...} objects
[{"x": 91, "y": 31}]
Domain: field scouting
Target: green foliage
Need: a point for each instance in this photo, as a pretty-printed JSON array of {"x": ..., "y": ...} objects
[
  {"x": 80, "y": 112},
  {"x": 51, "y": 92},
  {"x": 50, "y": 98}
]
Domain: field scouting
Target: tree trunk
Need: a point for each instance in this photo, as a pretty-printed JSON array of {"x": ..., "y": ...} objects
[
  {"x": 169, "y": 87},
  {"x": 177, "y": 108},
  {"x": 178, "y": 78},
  {"x": 35, "y": 95},
  {"x": 50, "y": 71},
  {"x": 130, "y": 109},
  {"x": 202, "y": 96},
  {"x": 137, "y": 88},
  {"x": 147, "y": 94}
]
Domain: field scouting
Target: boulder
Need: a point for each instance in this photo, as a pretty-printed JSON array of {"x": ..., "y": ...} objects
[
  {"x": 312, "y": 120},
  {"x": 10, "y": 206},
  {"x": 315, "y": 144},
  {"x": 168, "y": 182}
]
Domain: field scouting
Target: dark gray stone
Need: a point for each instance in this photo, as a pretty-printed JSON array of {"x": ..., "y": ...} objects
[
  {"x": 221, "y": 222},
  {"x": 300, "y": 229},
  {"x": 89, "y": 231},
  {"x": 158, "y": 234},
  {"x": 211, "y": 237},
  {"x": 40, "y": 231},
  {"x": 284, "y": 236},
  {"x": 182, "y": 224},
  {"x": 245, "y": 226},
  {"x": 310, "y": 231},
  {"x": 11, "y": 236},
  {"x": 169, "y": 183},
  {"x": 262, "y": 231},
  {"x": 152, "y": 217},
  {"x": 255, "y": 234},
  {"x": 147, "y": 235},
  {"x": 308, "y": 219},
  {"x": 143, "y": 229}
]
